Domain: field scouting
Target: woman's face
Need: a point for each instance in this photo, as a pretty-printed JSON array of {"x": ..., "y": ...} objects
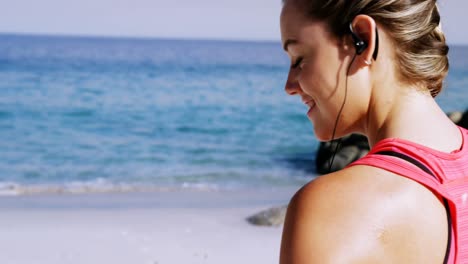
[{"x": 319, "y": 64}]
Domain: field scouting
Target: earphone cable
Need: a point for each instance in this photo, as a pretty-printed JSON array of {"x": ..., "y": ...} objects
[{"x": 339, "y": 115}]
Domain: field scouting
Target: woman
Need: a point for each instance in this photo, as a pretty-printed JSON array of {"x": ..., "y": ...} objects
[{"x": 374, "y": 67}]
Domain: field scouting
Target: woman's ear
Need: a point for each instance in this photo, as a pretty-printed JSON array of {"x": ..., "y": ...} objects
[{"x": 364, "y": 27}]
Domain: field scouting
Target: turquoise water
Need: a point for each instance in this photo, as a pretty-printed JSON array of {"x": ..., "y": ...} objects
[{"x": 108, "y": 114}]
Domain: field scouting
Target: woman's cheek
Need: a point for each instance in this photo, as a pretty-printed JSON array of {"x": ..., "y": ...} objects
[
  {"x": 305, "y": 78},
  {"x": 313, "y": 80}
]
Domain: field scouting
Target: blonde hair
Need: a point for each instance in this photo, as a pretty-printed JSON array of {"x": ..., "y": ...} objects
[{"x": 414, "y": 26}]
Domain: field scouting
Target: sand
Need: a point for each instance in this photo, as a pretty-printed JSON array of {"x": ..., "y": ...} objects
[{"x": 184, "y": 226}]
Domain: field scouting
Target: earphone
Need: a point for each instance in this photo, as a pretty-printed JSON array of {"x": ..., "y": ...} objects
[{"x": 361, "y": 45}]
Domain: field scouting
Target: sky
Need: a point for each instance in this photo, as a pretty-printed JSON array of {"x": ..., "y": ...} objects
[{"x": 187, "y": 19}]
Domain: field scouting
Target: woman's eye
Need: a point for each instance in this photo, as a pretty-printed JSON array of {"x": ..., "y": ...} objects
[{"x": 297, "y": 63}]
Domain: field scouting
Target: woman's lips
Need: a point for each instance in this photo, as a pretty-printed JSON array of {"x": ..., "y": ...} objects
[{"x": 310, "y": 103}]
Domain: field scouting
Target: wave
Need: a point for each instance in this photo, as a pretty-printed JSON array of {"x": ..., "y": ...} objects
[{"x": 97, "y": 186}]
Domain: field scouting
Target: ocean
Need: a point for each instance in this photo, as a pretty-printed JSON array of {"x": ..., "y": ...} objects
[{"x": 86, "y": 114}]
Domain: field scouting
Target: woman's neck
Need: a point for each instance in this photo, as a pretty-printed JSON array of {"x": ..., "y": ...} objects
[{"x": 415, "y": 116}]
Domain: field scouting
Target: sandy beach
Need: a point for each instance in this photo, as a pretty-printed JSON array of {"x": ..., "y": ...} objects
[{"x": 183, "y": 226}]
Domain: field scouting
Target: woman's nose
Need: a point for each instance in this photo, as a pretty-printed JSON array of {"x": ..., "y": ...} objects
[{"x": 292, "y": 85}]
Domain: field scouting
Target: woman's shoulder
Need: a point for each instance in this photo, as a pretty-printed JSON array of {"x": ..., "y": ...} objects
[
  {"x": 362, "y": 183},
  {"x": 360, "y": 192},
  {"x": 368, "y": 212}
]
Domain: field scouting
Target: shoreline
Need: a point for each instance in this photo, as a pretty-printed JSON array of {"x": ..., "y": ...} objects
[
  {"x": 184, "y": 226},
  {"x": 99, "y": 186}
]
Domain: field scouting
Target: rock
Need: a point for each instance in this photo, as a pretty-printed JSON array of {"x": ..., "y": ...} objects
[
  {"x": 459, "y": 118},
  {"x": 270, "y": 217},
  {"x": 351, "y": 148},
  {"x": 455, "y": 116}
]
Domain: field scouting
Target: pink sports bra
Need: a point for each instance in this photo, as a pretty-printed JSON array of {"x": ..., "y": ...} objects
[{"x": 446, "y": 174}]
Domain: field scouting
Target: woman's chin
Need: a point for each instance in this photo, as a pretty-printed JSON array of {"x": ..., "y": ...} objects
[{"x": 323, "y": 135}]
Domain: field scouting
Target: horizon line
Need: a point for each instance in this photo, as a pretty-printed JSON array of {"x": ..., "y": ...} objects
[
  {"x": 140, "y": 37},
  {"x": 135, "y": 37}
]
